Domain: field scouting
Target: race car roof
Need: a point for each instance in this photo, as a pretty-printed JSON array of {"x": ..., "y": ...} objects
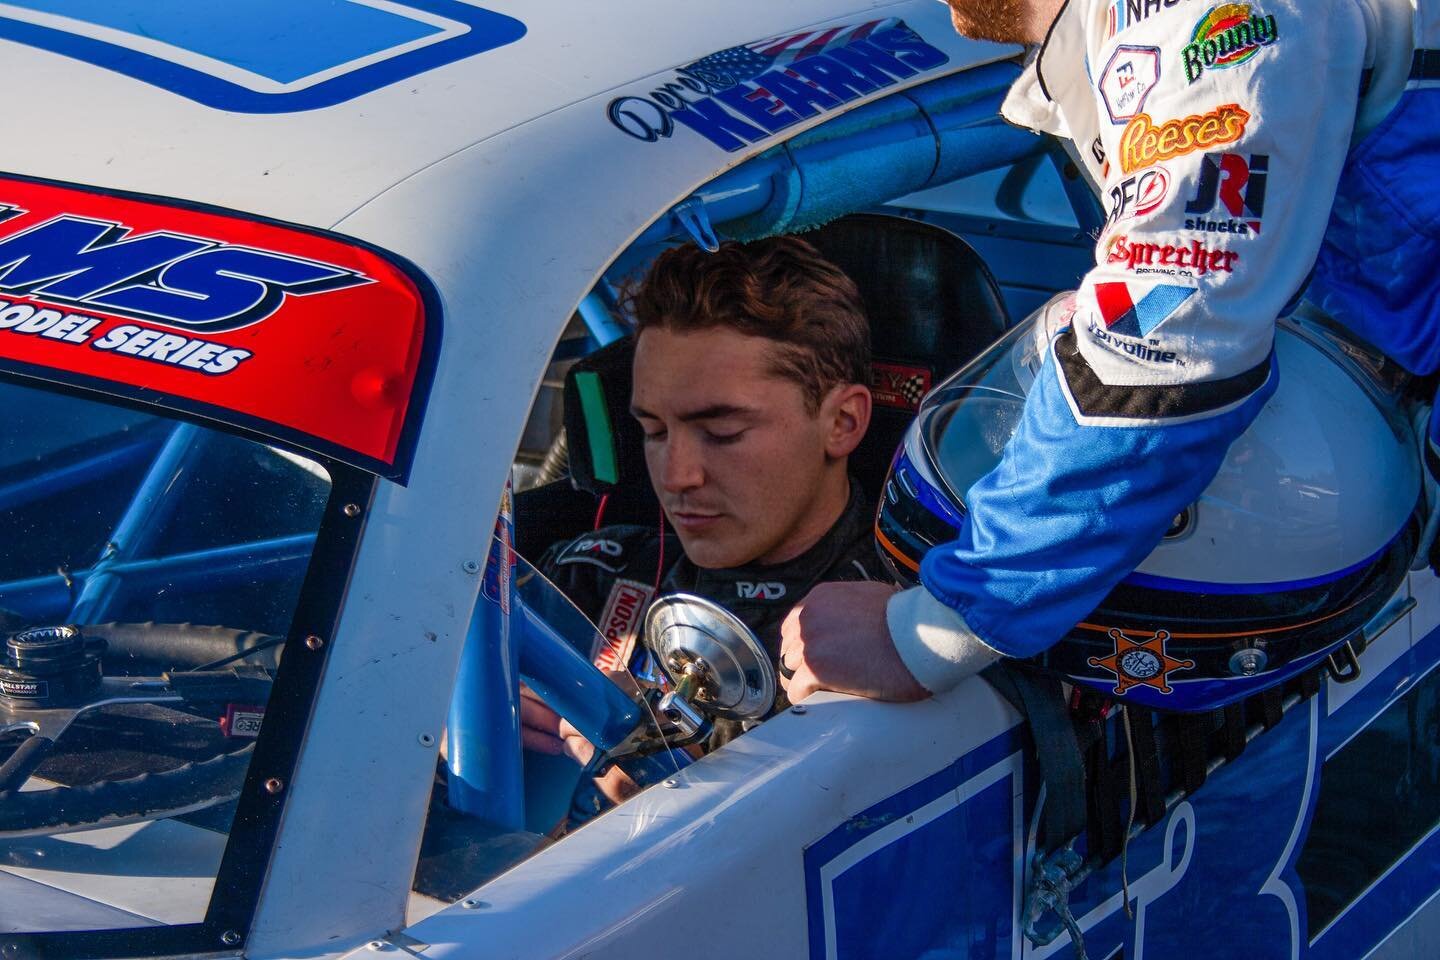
[{"x": 304, "y": 110}]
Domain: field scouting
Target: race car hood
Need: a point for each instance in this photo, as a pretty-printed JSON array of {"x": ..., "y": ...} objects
[{"x": 304, "y": 110}]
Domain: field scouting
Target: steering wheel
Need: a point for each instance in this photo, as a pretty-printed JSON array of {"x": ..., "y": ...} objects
[{"x": 52, "y": 676}]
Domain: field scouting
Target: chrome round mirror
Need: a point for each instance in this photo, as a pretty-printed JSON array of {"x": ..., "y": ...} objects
[{"x": 711, "y": 655}]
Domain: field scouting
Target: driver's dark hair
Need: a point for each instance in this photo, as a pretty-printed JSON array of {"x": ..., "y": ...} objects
[{"x": 781, "y": 289}]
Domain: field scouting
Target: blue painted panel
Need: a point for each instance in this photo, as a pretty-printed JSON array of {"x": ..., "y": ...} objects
[
  {"x": 244, "y": 33},
  {"x": 1217, "y": 878},
  {"x": 944, "y": 888},
  {"x": 279, "y": 41},
  {"x": 1408, "y": 887},
  {"x": 944, "y": 908}
]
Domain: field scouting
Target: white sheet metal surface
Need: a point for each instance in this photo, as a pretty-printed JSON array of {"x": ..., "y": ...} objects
[
  {"x": 27, "y": 906},
  {"x": 162, "y": 871},
  {"x": 97, "y": 126},
  {"x": 712, "y": 868}
]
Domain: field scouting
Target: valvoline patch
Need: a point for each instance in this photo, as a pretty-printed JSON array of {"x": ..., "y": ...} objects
[{"x": 282, "y": 330}]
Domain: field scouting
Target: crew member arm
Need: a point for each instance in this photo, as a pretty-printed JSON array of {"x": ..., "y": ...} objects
[{"x": 1225, "y": 129}]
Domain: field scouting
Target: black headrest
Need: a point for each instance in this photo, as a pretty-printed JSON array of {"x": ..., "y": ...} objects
[{"x": 932, "y": 304}]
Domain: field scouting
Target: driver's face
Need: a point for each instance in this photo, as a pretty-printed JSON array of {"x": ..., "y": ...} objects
[{"x": 736, "y": 456}]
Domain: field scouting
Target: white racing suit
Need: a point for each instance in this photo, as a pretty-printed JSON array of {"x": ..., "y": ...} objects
[{"x": 1219, "y": 134}]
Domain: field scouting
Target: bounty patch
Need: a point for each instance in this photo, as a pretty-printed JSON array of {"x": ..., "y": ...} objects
[{"x": 1227, "y": 36}]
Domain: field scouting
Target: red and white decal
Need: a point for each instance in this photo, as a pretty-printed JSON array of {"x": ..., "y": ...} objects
[
  {"x": 898, "y": 385},
  {"x": 620, "y": 624},
  {"x": 293, "y": 333}
]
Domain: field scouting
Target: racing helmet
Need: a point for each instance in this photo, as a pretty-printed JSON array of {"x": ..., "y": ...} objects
[{"x": 1302, "y": 537}]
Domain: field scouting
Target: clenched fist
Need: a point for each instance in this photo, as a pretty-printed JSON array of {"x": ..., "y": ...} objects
[{"x": 836, "y": 639}]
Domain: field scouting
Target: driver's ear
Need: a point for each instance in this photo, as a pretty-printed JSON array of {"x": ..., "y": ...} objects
[{"x": 845, "y": 410}]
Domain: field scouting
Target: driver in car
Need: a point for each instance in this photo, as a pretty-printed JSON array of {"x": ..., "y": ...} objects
[{"x": 750, "y": 374}]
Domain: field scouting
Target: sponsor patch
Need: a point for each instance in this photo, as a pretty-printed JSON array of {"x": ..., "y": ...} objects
[
  {"x": 898, "y": 385},
  {"x": 746, "y": 590},
  {"x": 1127, "y": 80},
  {"x": 242, "y": 720},
  {"x": 745, "y": 94},
  {"x": 1138, "y": 196},
  {"x": 25, "y": 689},
  {"x": 1141, "y": 663},
  {"x": 1137, "y": 309},
  {"x": 1227, "y": 36},
  {"x": 1192, "y": 259},
  {"x": 1236, "y": 182},
  {"x": 1097, "y": 150},
  {"x": 1123, "y": 14},
  {"x": 1143, "y": 143},
  {"x": 1147, "y": 352},
  {"x": 595, "y": 552},
  {"x": 620, "y": 624}
]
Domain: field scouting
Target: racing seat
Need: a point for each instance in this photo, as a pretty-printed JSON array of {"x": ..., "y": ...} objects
[{"x": 932, "y": 302}]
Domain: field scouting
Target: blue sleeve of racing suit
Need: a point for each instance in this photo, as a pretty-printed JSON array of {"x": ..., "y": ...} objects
[
  {"x": 1225, "y": 136},
  {"x": 1071, "y": 509}
]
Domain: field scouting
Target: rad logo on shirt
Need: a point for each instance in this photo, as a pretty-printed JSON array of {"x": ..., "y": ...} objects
[
  {"x": 1138, "y": 196},
  {"x": 597, "y": 547},
  {"x": 1128, "y": 79},
  {"x": 1192, "y": 259},
  {"x": 759, "y": 591},
  {"x": 1227, "y": 36},
  {"x": 1237, "y": 182},
  {"x": 1143, "y": 143},
  {"x": 1123, "y": 14}
]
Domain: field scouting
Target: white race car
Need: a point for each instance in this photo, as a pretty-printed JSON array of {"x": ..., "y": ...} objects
[{"x": 291, "y": 296}]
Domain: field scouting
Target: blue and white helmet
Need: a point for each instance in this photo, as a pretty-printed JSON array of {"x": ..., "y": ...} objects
[{"x": 1306, "y": 531}]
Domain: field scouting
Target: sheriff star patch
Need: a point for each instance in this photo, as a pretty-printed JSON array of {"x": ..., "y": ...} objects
[{"x": 1141, "y": 663}]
